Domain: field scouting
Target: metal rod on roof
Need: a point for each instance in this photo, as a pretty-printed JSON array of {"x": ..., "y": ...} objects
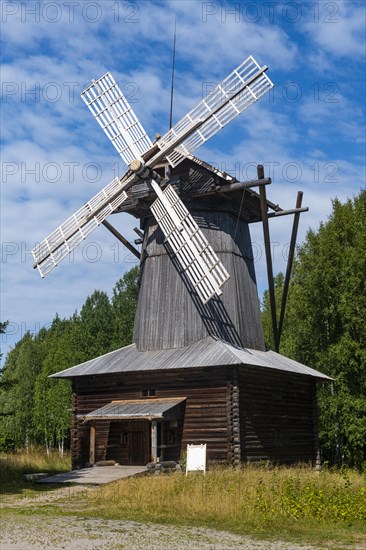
[
  {"x": 267, "y": 246},
  {"x": 121, "y": 238},
  {"x": 173, "y": 66},
  {"x": 290, "y": 260}
]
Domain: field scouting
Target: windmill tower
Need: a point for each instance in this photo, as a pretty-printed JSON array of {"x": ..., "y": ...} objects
[{"x": 197, "y": 304}]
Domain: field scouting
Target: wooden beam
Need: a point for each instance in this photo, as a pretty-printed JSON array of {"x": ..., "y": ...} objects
[
  {"x": 234, "y": 187},
  {"x": 92, "y": 444},
  {"x": 287, "y": 212},
  {"x": 122, "y": 239},
  {"x": 290, "y": 260},
  {"x": 267, "y": 246},
  {"x": 139, "y": 232}
]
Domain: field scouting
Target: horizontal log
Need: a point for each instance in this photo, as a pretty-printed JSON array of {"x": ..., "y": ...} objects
[
  {"x": 287, "y": 212},
  {"x": 230, "y": 187}
]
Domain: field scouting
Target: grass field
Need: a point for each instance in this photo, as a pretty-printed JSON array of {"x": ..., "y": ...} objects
[
  {"x": 294, "y": 504},
  {"x": 14, "y": 466}
]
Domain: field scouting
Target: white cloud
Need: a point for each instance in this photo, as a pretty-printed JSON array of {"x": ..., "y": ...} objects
[{"x": 338, "y": 29}]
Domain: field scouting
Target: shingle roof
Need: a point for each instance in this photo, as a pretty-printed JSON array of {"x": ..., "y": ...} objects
[{"x": 208, "y": 352}]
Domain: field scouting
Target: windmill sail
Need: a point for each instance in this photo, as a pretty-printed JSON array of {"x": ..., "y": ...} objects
[
  {"x": 243, "y": 87},
  {"x": 117, "y": 118},
  {"x": 48, "y": 253},
  {"x": 194, "y": 253}
]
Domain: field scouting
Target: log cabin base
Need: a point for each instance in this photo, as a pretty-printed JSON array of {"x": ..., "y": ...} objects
[{"x": 241, "y": 412}]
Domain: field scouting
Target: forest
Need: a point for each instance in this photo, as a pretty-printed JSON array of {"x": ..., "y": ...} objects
[{"x": 324, "y": 328}]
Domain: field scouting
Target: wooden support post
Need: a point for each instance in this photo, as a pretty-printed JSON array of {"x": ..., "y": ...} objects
[
  {"x": 121, "y": 238},
  {"x": 290, "y": 260},
  {"x": 154, "y": 441},
  {"x": 92, "y": 444},
  {"x": 162, "y": 440},
  {"x": 267, "y": 246}
]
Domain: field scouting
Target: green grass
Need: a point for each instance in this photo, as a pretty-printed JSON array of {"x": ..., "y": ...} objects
[{"x": 14, "y": 466}]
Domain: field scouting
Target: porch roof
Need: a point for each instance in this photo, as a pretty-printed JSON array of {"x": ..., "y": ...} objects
[{"x": 145, "y": 409}]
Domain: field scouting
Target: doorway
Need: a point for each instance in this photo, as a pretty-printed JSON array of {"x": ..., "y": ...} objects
[{"x": 129, "y": 442}]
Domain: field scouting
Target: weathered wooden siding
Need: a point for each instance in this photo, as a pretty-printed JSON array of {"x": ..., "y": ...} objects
[
  {"x": 169, "y": 315},
  {"x": 205, "y": 416},
  {"x": 276, "y": 416}
]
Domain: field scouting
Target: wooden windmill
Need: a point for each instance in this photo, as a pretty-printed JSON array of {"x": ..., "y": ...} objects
[{"x": 194, "y": 229}]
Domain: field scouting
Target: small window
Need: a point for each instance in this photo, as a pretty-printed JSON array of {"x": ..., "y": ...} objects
[
  {"x": 148, "y": 392},
  {"x": 124, "y": 438}
]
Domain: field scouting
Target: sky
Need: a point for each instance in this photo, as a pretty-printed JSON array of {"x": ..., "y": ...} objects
[{"x": 308, "y": 132}]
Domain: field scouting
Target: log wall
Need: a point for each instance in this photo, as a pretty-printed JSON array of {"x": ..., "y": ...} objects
[
  {"x": 241, "y": 413},
  {"x": 276, "y": 416},
  {"x": 233, "y": 417},
  {"x": 205, "y": 416}
]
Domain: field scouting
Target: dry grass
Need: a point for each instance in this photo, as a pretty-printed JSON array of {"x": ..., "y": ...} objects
[
  {"x": 14, "y": 466},
  {"x": 284, "y": 502}
]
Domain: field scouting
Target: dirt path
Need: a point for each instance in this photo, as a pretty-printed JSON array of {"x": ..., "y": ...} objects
[{"x": 74, "y": 533}]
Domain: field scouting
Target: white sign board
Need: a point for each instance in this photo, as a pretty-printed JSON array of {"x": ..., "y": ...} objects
[{"x": 196, "y": 458}]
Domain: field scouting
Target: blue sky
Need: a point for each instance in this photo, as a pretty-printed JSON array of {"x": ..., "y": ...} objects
[{"x": 309, "y": 132}]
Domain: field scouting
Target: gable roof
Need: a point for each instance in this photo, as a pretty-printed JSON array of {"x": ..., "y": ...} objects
[{"x": 209, "y": 352}]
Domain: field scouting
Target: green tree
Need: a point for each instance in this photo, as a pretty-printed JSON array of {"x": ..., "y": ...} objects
[
  {"x": 52, "y": 400},
  {"x": 2, "y": 331},
  {"x": 3, "y": 384},
  {"x": 17, "y": 396},
  {"x": 97, "y": 319},
  {"x": 325, "y": 325},
  {"x": 124, "y": 302}
]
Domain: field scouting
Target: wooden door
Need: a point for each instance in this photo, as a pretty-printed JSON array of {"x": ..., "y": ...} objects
[{"x": 137, "y": 450}]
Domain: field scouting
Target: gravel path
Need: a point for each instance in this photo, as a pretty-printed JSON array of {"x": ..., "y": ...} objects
[
  {"x": 46, "y": 497},
  {"x": 73, "y": 533}
]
